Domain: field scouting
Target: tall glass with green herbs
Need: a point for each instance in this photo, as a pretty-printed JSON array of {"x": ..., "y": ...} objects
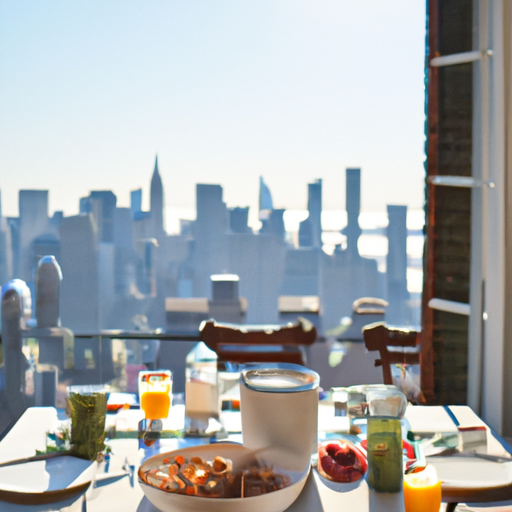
[
  {"x": 87, "y": 409},
  {"x": 384, "y": 438}
]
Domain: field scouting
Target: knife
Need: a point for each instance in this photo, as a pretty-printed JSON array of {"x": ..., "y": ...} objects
[{"x": 453, "y": 452}]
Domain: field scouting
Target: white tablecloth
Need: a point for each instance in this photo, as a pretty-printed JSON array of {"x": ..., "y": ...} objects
[{"x": 29, "y": 434}]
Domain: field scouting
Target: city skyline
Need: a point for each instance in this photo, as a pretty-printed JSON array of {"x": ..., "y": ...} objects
[
  {"x": 130, "y": 264},
  {"x": 222, "y": 92},
  {"x": 332, "y": 220}
]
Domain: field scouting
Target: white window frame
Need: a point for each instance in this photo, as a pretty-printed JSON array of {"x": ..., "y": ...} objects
[{"x": 486, "y": 333}]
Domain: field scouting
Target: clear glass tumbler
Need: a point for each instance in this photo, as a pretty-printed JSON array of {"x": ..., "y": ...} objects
[
  {"x": 88, "y": 409},
  {"x": 384, "y": 436}
]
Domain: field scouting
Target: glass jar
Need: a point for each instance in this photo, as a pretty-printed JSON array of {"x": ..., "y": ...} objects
[{"x": 384, "y": 437}]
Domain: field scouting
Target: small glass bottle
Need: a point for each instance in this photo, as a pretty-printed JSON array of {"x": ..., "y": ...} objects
[
  {"x": 384, "y": 437},
  {"x": 201, "y": 392}
]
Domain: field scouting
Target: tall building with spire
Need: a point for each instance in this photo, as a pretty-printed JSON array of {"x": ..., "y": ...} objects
[{"x": 157, "y": 205}]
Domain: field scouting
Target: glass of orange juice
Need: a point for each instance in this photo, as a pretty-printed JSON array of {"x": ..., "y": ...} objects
[
  {"x": 422, "y": 491},
  {"x": 155, "y": 393}
]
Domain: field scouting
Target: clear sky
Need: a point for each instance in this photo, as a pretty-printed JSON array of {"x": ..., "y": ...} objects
[{"x": 223, "y": 90}]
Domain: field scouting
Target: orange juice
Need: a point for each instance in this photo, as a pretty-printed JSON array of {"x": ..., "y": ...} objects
[
  {"x": 155, "y": 404},
  {"x": 422, "y": 491}
]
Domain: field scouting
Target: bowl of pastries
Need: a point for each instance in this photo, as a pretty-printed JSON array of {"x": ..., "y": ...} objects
[{"x": 221, "y": 477}]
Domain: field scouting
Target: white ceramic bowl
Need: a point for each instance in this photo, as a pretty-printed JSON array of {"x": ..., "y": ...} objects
[{"x": 276, "y": 501}]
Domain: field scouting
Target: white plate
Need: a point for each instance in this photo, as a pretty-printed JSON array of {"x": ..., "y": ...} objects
[
  {"x": 46, "y": 481},
  {"x": 276, "y": 501},
  {"x": 475, "y": 474}
]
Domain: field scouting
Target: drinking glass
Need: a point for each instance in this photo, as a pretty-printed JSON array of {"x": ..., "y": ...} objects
[
  {"x": 228, "y": 381},
  {"x": 88, "y": 409},
  {"x": 201, "y": 399},
  {"x": 422, "y": 491},
  {"x": 384, "y": 434},
  {"x": 357, "y": 405},
  {"x": 155, "y": 393}
]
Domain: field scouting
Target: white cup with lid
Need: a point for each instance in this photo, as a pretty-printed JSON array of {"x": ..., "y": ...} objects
[{"x": 279, "y": 410}]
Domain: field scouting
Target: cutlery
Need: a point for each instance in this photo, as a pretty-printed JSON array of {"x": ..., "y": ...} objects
[
  {"x": 108, "y": 478},
  {"x": 486, "y": 456}
]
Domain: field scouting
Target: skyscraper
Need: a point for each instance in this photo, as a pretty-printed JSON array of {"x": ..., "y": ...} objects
[
  {"x": 396, "y": 266},
  {"x": 265, "y": 201},
  {"x": 79, "y": 292},
  {"x": 353, "y": 204},
  {"x": 33, "y": 222},
  {"x": 157, "y": 205},
  {"x": 310, "y": 230},
  {"x": 102, "y": 204},
  {"x": 5, "y": 249},
  {"x": 210, "y": 230}
]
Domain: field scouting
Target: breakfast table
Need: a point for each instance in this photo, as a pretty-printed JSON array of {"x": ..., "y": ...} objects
[{"x": 116, "y": 485}]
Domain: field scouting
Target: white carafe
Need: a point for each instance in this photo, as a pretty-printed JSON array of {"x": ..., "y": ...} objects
[{"x": 279, "y": 410}]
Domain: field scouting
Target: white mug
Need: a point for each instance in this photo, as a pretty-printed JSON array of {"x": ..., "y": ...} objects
[{"x": 279, "y": 410}]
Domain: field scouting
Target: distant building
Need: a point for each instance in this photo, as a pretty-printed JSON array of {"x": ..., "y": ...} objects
[
  {"x": 79, "y": 297},
  {"x": 346, "y": 276},
  {"x": 136, "y": 205},
  {"x": 102, "y": 205},
  {"x": 310, "y": 230},
  {"x": 353, "y": 204},
  {"x": 6, "y": 253},
  {"x": 157, "y": 229},
  {"x": 238, "y": 220},
  {"x": 33, "y": 222},
  {"x": 274, "y": 225},
  {"x": 259, "y": 262},
  {"x": 209, "y": 232},
  {"x": 301, "y": 272},
  {"x": 126, "y": 259},
  {"x": 266, "y": 205},
  {"x": 397, "y": 312},
  {"x": 226, "y": 305}
]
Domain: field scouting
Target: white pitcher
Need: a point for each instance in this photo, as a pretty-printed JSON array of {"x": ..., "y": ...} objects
[{"x": 279, "y": 410}]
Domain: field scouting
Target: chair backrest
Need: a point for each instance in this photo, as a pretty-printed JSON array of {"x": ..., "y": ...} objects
[
  {"x": 395, "y": 346},
  {"x": 259, "y": 343},
  {"x": 365, "y": 310}
]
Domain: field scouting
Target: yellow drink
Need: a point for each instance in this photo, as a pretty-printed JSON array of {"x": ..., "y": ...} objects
[
  {"x": 422, "y": 491},
  {"x": 155, "y": 404}
]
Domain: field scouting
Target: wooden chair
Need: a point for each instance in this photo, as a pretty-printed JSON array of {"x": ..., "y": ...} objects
[
  {"x": 395, "y": 346},
  {"x": 365, "y": 310},
  {"x": 259, "y": 343}
]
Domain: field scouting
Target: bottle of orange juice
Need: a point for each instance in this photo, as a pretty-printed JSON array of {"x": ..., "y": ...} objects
[{"x": 422, "y": 491}]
